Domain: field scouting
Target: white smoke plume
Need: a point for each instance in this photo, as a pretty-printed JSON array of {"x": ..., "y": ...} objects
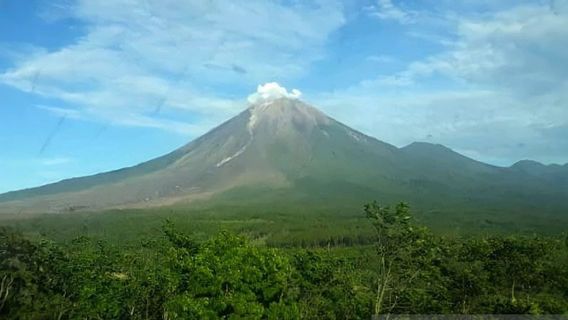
[{"x": 271, "y": 91}]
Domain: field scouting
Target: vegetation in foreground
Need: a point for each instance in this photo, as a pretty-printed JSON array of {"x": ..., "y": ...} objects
[{"x": 407, "y": 269}]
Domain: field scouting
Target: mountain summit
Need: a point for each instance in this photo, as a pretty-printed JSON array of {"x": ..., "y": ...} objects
[{"x": 281, "y": 150}]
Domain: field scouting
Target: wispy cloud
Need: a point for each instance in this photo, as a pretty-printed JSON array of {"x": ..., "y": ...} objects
[
  {"x": 494, "y": 90},
  {"x": 61, "y": 112},
  {"x": 57, "y": 161},
  {"x": 388, "y": 10},
  {"x": 147, "y": 66},
  {"x": 484, "y": 76}
]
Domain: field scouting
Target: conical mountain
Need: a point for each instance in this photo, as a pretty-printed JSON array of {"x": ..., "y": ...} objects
[
  {"x": 270, "y": 145},
  {"x": 283, "y": 151}
]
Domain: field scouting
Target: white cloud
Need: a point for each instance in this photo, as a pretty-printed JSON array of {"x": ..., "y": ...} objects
[
  {"x": 522, "y": 50},
  {"x": 498, "y": 89},
  {"x": 271, "y": 91},
  {"x": 55, "y": 161},
  {"x": 62, "y": 112},
  {"x": 387, "y": 10},
  {"x": 497, "y": 86},
  {"x": 153, "y": 62}
]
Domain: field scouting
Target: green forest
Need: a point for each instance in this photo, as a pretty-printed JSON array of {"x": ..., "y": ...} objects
[{"x": 398, "y": 267}]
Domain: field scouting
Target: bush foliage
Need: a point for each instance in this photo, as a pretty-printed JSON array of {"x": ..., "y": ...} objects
[{"x": 408, "y": 270}]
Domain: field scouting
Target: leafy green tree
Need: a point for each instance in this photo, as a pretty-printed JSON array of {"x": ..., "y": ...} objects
[
  {"x": 394, "y": 236},
  {"x": 229, "y": 278}
]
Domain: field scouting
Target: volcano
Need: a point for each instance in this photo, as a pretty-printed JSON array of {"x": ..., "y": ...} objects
[{"x": 281, "y": 150}]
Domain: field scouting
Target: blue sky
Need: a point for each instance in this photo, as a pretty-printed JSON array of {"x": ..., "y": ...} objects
[{"x": 88, "y": 86}]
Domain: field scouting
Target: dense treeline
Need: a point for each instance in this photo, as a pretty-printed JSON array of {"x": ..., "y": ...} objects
[{"x": 407, "y": 270}]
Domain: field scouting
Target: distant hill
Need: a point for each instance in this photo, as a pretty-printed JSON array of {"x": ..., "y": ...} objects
[{"x": 284, "y": 152}]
